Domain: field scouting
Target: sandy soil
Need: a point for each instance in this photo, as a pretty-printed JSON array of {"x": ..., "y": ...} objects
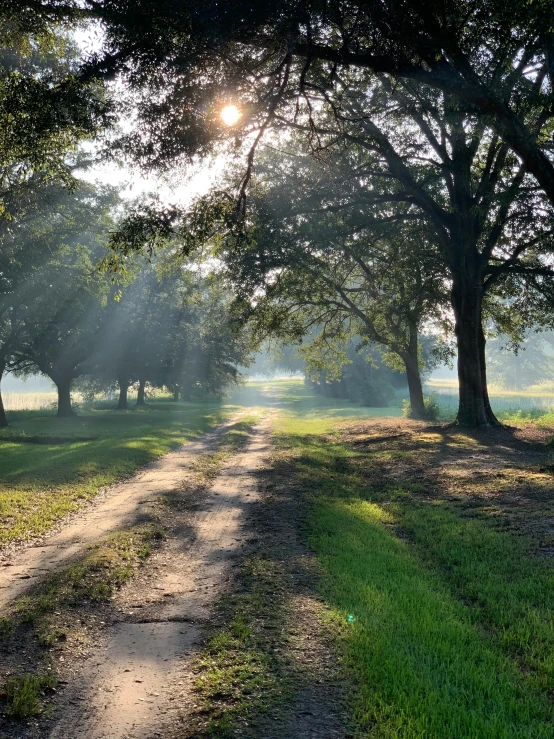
[{"x": 128, "y": 685}]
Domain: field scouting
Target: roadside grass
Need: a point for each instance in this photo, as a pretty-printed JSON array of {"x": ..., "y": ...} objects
[
  {"x": 49, "y": 465},
  {"x": 94, "y": 577},
  {"x": 511, "y": 408},
  {"x": 29, "y": 401},
  {"x": 51, "y": 615},
  {"x": 25, "y": 696},
  {"x": 292, "y": 396},
  {"x": 445, "y": 619}
]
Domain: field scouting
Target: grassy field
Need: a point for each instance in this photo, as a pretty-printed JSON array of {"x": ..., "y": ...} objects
[
  {"x": 434, "y": 546},
  {"x": 536, "y": 403},
  {"x": 48, "y": 465},
  {"x": 292, "y": 397},
  {"x": 444, "y": 613}
]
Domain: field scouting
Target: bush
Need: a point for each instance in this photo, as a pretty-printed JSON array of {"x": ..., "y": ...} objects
[{"x": 432, "y": 410}]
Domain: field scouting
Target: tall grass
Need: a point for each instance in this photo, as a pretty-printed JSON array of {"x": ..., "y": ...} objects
[
  {"x": 535, "y": 403},
  {"x": 29, "y": 401}
]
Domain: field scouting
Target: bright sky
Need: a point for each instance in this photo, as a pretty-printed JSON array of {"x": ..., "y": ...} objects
[
  {"x": 177, "y": 188},
  {"x": 195, "y": 181}
]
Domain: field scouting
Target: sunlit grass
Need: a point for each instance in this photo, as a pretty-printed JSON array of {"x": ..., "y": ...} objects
[
  {"x": 48, "y": 465},
  {"x": 293, "y": 397},
  {"x": 446, "y": 622}
]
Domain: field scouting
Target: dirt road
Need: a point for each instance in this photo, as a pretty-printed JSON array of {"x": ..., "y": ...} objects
[
  {"x": 133, "y": 679},
  {"x": 128, "y": 685}
]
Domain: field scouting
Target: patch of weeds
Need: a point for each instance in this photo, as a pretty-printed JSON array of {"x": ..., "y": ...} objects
[
  {"x": 208, "y": 465},
  {"x": 49, "y": 637},
  {"x": 431, "y": 407},
  {"x": 238, "y": 434},
  {"x": 24, "y": 696},
  {"x": 95, "y": 577},
  {"x": 241, "y": 674},
  {"x": 175, "y": 500},
  {"x": 232, "y": 442},
  {"x": 6, "y": 628}
]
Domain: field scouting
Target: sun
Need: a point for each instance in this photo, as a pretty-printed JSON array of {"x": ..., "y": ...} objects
[{"x": 230, "y": 115}]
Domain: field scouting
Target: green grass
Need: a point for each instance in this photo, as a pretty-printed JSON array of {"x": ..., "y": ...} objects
[
  {"x": 23, "y": 695},
  {"x": 293, "y": 397},
  {"x": 240, "y": 674},
  {"x": 48, "y": 465},
  {"x": 512, "y": 408},
  {"x": 446, "y": 622}
]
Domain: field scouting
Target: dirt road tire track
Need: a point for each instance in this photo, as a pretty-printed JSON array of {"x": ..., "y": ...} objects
[
  {"x": 121, "y": 506},
  {"x": 128, "y": 687}
]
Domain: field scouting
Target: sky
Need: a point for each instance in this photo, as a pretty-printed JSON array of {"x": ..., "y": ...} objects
[{"x": 178, "y": 188}]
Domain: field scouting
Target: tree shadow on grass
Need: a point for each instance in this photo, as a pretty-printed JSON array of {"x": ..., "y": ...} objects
[{"x": 422, "y": 535}]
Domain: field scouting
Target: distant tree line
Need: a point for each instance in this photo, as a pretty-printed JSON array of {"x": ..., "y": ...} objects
[
  {"x": 162, "y": 324},
  {"x": 413, "y": 181}
]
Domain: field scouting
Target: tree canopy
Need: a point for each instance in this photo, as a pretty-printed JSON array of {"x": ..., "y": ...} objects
[{"x": 434, "y": 120}]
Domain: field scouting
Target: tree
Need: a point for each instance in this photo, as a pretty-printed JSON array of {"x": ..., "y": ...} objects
[
  {"x": 440, "y": 167},
  {"x": 210, "y": 343},
  {"x": 417, "y": 159},
  {"x": 55, "y": 310},
  {"x": 494, "y": 60},
  {"x": 169, "y": 327},
  {"x": 326, "y": 260},
  {"x": 352, "y": 369},
  {"x": 45, "y": 109},
  {"x": 482, "y": 68}
]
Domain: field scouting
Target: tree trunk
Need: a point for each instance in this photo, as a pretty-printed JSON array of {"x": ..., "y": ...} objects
[
  {"x": 176, "y": 395},
  {"x": 415, "y": 388},
  {"x": 493, "y": 420},
  {"x": 65, "y": 409},
  {"x": 474, "y": 408},
  {"x": 123, "y": 383},
  {"x": 324, "y": 386},
  {"x": 3, "y": 419},
  {"x": 141, "y": 400}
]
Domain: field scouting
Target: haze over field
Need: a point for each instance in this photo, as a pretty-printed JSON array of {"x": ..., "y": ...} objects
[{"x": 276, "y": 369}]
